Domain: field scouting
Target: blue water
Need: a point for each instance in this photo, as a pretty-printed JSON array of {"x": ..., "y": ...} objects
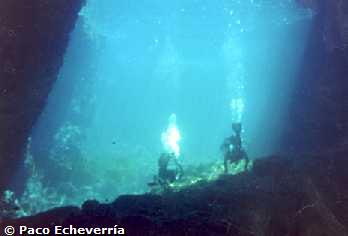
[{"x": 131, "y": 64}]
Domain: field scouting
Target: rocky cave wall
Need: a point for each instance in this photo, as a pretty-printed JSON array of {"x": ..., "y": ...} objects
[
  {"x": 33, "y": 39},
  {"x": 318, "y": 115}
]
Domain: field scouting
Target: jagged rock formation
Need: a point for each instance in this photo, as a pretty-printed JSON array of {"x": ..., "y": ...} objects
[
  {"x": 33, "y": 39},
  {"x": 297, "y": 196},
  {"x": 319, "y": 105}
]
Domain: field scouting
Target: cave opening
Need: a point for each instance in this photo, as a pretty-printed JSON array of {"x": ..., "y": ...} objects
[{"x": 129, "y": 65}]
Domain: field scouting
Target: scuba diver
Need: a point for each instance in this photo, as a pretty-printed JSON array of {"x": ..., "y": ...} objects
[
  {"x": 165, "y": 175},
  {"x": 232, "y": 148},
  {"x": 169, "y": 170}
]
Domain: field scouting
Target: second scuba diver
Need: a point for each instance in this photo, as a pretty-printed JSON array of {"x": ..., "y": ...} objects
[{"x": 232, "y": 148}]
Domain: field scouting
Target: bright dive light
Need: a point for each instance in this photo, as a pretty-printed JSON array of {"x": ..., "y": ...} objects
[{"x": 171, "y": 137}]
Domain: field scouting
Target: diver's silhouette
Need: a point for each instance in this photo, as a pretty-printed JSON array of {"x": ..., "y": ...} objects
[
  {"x": 232, "y": 147},
  {"x": 167, "y": 175}
]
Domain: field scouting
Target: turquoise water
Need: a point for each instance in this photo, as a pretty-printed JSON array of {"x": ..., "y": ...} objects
[{"x": 131, "y": 64}]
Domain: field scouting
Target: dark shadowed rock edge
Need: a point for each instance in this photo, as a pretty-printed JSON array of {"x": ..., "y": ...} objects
[
  {"x": 318, "y": 113},
  {"x": 33, "y": 39},
  {"x": 299, "y": 195}
]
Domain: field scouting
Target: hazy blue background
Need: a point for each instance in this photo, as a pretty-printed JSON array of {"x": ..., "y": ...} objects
[{"x": 132, "y": 63}]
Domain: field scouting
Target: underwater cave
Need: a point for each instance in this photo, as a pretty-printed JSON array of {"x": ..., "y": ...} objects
[{"x": 187, "y": 117}]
